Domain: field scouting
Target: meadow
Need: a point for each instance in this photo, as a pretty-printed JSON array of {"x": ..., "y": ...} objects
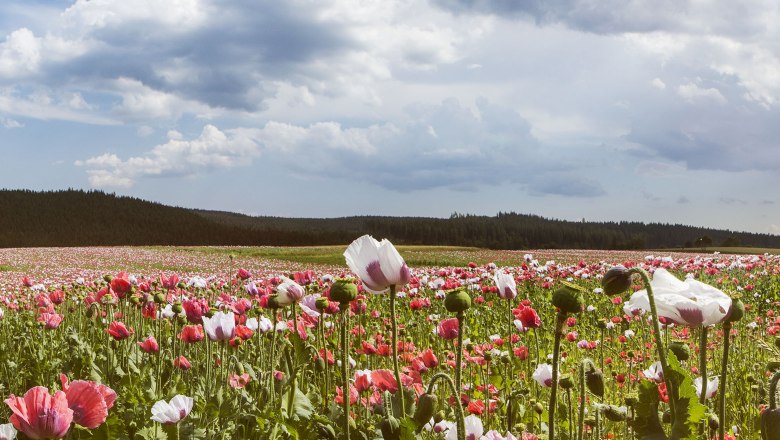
[{"x": 463, "y": 343}]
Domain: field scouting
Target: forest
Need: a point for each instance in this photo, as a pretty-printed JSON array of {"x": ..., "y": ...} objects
[{"x": 95, "y": 218}]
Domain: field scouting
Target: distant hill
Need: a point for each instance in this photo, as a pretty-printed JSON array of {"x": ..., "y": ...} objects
[{"x": 92, "y": 218}]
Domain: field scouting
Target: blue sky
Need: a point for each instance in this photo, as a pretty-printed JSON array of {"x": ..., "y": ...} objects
[{"x": 644, "y": 110}]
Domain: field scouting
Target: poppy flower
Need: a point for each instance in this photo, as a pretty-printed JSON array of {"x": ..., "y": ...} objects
[
  {"x": 289, "y": 292},
  {"x": 384, "y": 380},
  {"x": 448, "y": 328},
  {"x": 7, "y": 431},
  {"x": 239, "y": 381},
  {"x": 377, "y": 264},
  {"x": 149, "y": 345},
  {"x": 119, "y": 331},
  {"x": 507, "y": 289},
  {"x": 220, "y": 327},
  {"x": 712, "y": 387},
  {"x": 543, "y": 375},
  {"x": 191, "y": 333},
  {"x": 182, "y": 362},
  {"x": 690, "y": 302},
  {"x": 90, "y": 401},
  {"x": 39, "y": 415},
  {"x": 169, "y": 413}
]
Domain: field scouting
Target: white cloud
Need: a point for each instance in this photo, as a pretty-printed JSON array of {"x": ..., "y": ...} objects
[
  {"x": 692, "y": 92},
  {"x": 212, "y": 150},
  {"x": 658, "y": 84}
]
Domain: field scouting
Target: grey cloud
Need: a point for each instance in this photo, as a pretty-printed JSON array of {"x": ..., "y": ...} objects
[
  {"x": 683, "y": 200},
  {"x": 617, "y": 16},
  {"x": 566, "y": 185}
]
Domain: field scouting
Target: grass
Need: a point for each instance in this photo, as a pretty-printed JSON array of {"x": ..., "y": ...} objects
[{"x": 741, "y": 250}]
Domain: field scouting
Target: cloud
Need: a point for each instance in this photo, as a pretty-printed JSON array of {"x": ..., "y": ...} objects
[{"x": 212, "y": 150}]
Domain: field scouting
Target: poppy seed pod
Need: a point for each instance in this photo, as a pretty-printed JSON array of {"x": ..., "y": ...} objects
[
  {"x": 594, "y": 379},
  {"x": 568, "y": 300},
  {"x": 566, "y": 382},
  {"x": 426, "y": 406},
  {"x": 177, "y": 308},
  {"x": 321, "y": 303},
  {"x": 343, "y": 290},
  {"x": 736, "y": 311},
  {"x": 273, "y": 302},
  {"x": 457, "y": 301},
  {"x": 681, "y": 350},
  {"x": 616, "y": 281}
]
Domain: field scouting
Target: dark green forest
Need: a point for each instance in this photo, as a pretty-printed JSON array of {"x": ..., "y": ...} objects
[{"x": 92, "y": 218}]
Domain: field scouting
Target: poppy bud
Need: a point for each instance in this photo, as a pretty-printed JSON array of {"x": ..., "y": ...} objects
[
  {"x": 681, "y": 350},
  {"x": 594, "y": 379},
  {"x": 538, "y": 408},
  {"x": 770, "y": 424},
  {"x": 713, "y": 422},
  {"x": 568, "y": 300},
  {"x": 391, "y": 428},
  {"x": 487, "y": 356},
  {"x": 343, "y": 290},
  {"x": 439, "y": 416},
  {"x": 590, "y": 421},
  {"x": 457, "y": 301},
  {"x": 615, "y": 413},
  {"x": 736, "y": 311},
  {"x": 616, "y": 281},
  {"x": 632, "y": 400},
  {"x": 426, "y": 406}
]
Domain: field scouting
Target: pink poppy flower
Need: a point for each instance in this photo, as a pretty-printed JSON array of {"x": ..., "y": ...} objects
[
  {"x": 149, "y": 345},
  {"x": 119, "y": 331},
  {"x": 40, "y": 415},
  {"x": 90, "y": 401},
  {"x": 448, "y": 328}
]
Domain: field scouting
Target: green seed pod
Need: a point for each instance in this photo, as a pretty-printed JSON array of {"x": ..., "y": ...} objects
[
  {"x": 177, "y": 308},
  {"x": 568, "y": 300},
  {"x": 457, "y": 301},
  {"x": 426, "y": 406},
  {"x": 736, "y": 311},
  {"x": 181, "y": 285},
  {"x": 321, "y": 303},
  {"x": 108, "y": 278},
  {"x": 681, "y": 350},
  {"x": 273, "y": 302},
  {"x": 615, "y": 413},
  {"x": 439, "y": 416},
  {"x": 487, "y": 356},
  {"x": 343, "y": 290},
  {"x": 538, "y": 408},
  {"x": 159, "y": 298},
  {"x": 566, "y": 382},
  {"x": 594, "y": 379},
  {"x": 616, "y": 281},
  {"x": 135, "y": 300}
]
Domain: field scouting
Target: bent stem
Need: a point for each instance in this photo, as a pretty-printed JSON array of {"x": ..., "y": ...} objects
[
  {"x": 459, "y": 409},
  {"x": 723, "y": 374},
  {"x": 559, "y": 322},
  {"x": 396, "y": 371},
  {"x": 658, "y": 343}
]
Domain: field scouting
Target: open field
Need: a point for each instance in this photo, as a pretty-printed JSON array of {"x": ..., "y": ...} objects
[{"x": 153, "y": 323}]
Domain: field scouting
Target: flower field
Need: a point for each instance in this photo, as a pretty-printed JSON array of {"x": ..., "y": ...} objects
[{"x": 217, "y": 343}]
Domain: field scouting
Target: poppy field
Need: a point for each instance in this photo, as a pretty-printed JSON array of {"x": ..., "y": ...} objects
[{"x": 216, "y": 343}]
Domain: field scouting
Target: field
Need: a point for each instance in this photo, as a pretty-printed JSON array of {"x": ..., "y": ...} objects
[{"x": 114, "y": 334}]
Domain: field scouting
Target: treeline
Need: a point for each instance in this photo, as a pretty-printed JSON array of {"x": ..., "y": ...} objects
[{"x": 92, "y": 218}]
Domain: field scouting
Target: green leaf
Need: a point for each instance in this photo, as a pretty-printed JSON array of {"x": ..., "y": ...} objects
[
  {"x": 688, "y": 411},
  {"x": 646, "y": 422},
  {"x": 151, "y": 433},
  {"x": 302, "y": 407}
]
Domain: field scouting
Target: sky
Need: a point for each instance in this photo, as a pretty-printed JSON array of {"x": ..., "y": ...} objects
[{"x": 655, "y": 111}]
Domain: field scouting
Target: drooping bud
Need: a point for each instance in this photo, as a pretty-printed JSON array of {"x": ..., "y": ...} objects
[
  {"x": 770, "y": 424},
  {"x": 681, "y": 350},
  {"x": 273, "y": 301},
  {"x": 426, "y": 406},
  {"x": 616, "y": 281},
  {"x": 713, "y": 422},
  {"x": 594, "y": 379},
  {"x": 391, "y": 428},
  {"x": 457, "y": 301},
  {"x": 568, "y": 300},
  {"x": 538, "y": 408},
  {"x": 343, "y": 290},
  {"x": 615, "y": 413}
]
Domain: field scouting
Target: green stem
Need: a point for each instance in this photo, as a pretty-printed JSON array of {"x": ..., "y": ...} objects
[
  {"x": 458, "y": 378},
  {"x": 509, "y": 364},
  {"x": 586, "y": 363},
  {"x": 658, "y": 343},
  {"x": 559, "y": 323},
  {"x": 703, "y": 365},
  {"x": 723, "y": 374},
  {"x": 345, "y": 394},
  {"x": 396, "y": 371}
]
